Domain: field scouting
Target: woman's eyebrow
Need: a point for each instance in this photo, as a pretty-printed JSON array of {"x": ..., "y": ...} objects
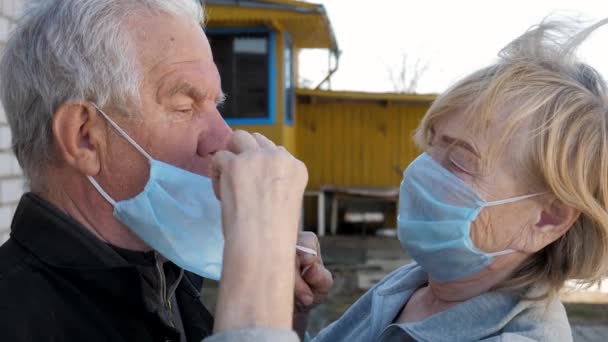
[{"x": 460, "y": 143}]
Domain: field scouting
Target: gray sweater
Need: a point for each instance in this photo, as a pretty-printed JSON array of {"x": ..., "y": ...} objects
[{"x": 492, "y": 316}]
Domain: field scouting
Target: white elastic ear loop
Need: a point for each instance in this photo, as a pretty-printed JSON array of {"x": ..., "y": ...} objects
[
  {"x": 101, "y": 191},
  {"x": 124, "y": 134},
  {"x": 506, "y": 251},
  {"x": 512, "y": 199}
]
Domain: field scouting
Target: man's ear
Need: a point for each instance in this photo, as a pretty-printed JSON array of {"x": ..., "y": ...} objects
[
  {"x": 554, "y": 221},
  {"x": 78, "y": 133}
]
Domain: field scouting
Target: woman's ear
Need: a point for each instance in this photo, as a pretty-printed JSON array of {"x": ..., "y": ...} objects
[
  {"x": 78, "y": 133},
  {"x": 554, "y": 221}
]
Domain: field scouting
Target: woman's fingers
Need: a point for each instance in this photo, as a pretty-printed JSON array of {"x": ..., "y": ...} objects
[
  {"x": 310, "y": 241},
  {"x": 241, "y": 142},
  {"x": 219, "y": 163},
  {"x": 319, "y": 279},
  {"x": 303, "y": 293},
  {"x": 262, "y": 141},
  {"x": 313, "y": 280}
]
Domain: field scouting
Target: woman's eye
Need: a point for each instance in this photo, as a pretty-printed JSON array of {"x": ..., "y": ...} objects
[
  {"x": 464, "y": 161},
  {"x": 457, "y": 167}
]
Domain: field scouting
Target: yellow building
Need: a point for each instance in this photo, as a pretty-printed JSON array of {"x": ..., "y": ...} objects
[
  {"x": 353, "y": 139},
  {"x": 345, "y": 138},
  {"x": 255, "y": 45},
  {"x": 348, "y": 140}
]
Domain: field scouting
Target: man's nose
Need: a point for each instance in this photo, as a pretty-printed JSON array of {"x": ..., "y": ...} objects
[{"x": 215, "y": 138}]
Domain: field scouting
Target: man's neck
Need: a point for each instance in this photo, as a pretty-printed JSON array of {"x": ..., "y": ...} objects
[{"x": 93, "y": 212}]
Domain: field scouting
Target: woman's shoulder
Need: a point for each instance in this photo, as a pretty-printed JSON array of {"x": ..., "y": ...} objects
[
  {"x": 542, "y": 320},
  {"x": 356, "y": 323},
  {"x": 405, "y": 277}
]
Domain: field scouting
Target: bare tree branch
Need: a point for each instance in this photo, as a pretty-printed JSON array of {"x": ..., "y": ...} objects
[{"x": 405, "y": 77}]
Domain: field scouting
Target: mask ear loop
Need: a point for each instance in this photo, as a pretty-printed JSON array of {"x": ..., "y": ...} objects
[
  {"x": 124, "y": 134},
  {"x": 101, "y": 191},
  {"x": 506, "y": 251},
  {"x": 512, "y": 199},
  {"x": 505, "y": 201}
]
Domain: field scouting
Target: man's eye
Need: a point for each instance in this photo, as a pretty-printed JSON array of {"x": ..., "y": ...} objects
[{"x": 184, "y": 110}]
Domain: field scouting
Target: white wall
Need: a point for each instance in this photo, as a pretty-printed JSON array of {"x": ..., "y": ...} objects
[{"x": 11, "y": 179}]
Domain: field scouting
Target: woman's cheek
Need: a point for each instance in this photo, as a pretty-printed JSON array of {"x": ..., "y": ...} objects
[{"x": 482, "y": 233}]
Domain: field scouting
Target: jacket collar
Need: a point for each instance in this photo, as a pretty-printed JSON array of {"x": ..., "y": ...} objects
[
  {"x": 59, "y": 240},
  {"x": 473, "y": 319}
]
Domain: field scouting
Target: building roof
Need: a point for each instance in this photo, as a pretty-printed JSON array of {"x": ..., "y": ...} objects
[
  {"x": 307, "y": 23},
  {"x": 325, "y": 95}
]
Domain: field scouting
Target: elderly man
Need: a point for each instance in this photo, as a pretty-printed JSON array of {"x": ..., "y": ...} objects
[{"x": 113, "y": 110}]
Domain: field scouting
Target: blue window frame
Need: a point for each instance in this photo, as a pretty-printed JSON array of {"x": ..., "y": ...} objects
[
  {"x": 289, "y": 85},
  {"x": 245, "y": 58}
]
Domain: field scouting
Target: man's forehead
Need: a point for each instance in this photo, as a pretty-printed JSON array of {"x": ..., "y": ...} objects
[{"x": 166, "y": 40}]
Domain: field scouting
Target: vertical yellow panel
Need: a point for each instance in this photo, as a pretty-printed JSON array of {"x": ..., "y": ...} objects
[
  {"x": 347, "y": 145},
  {"x": 393, "y": 145},
  {"x": 356, "y": 142}
]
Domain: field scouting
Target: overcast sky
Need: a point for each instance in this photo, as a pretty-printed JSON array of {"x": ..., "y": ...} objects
[{"x": 452, "y": 37}]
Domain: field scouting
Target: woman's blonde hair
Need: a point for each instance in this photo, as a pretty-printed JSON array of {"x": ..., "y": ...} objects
[{"x": 542, "y": 90}]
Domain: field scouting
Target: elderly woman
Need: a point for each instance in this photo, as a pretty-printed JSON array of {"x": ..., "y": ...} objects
[{"x": 507, "y": 202}]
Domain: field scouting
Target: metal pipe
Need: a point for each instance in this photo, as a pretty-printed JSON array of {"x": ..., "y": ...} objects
[{"x": 332, "y": 71}]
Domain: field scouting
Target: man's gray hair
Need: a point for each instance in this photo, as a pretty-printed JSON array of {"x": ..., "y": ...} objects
[{"x": 71, "y": 50}]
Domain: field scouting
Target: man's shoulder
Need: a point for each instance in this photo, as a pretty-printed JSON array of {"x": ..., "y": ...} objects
[
  {"x": 24, "y": 290},
  {"x": 14, "y": 260},
  {"x": 20, "y": 273}
]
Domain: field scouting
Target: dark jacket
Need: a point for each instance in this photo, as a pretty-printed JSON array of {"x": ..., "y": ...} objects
[{"x": 59, "y": 283}]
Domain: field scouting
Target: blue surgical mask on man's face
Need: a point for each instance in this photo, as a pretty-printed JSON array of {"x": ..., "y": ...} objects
[
  {"x": 177, "y": 214},
  {"x": 436, "y": 210}
]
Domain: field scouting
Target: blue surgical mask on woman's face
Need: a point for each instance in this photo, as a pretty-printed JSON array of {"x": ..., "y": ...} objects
[
  {"x": 177, "y": 214},
  {"x": 436, "y": 210}
]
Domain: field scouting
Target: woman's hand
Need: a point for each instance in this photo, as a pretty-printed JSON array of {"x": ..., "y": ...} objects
[
  {"x": 261, "y": 188},
  {"x": 313, "y": 281}
]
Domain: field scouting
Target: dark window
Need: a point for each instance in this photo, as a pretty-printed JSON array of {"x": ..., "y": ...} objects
[
  {"x": 289, "y": 86},
  {"x": 243, "y": 63}
]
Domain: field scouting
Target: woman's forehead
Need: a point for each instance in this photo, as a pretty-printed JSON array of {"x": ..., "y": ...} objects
[
  {"x": 456, "y": 128},
  {"x": 487, "y": 140}
]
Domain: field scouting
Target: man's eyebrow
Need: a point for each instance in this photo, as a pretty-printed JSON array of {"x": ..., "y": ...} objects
[
  {"x": 460, "y": 143},
  {"x": 186, "y": 88},
  {"x": 221, "y": 98}
]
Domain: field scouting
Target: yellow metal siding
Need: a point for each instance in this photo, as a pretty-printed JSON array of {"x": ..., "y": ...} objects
[{"x": 356, "y": 143}]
